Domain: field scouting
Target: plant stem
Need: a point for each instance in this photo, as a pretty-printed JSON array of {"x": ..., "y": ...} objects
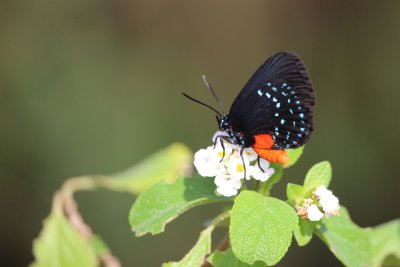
[
  {"x": 225, "y": 241},
  {"x": 64, "y": 201},
  {"x": 220, "y": 218}
]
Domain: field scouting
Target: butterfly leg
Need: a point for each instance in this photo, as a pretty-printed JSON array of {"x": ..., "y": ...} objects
[
  {"x": 223, "y": 149},
  {"x": 221, "y": 138},
  {"x": 244, "y": 165},
  {"x": 215, "y": 141},
  {"x": 259, "y": 165}
]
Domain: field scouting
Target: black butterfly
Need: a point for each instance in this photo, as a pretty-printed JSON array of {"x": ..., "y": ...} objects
[{"x": 274, "y": 110}]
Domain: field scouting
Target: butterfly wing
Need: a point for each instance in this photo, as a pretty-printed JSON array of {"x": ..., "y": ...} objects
[{"x": 277, "y": 100}]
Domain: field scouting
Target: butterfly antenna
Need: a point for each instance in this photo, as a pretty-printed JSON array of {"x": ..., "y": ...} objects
[
  {"x": 213, "y": 92},
  {"x": 201, "y": 103}
]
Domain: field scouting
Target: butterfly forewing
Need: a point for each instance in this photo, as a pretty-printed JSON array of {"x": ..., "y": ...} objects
[{"x": 278, "y": 100}]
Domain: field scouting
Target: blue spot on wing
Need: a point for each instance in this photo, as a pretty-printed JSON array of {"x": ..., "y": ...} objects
[{"x": 289, "y": 113}]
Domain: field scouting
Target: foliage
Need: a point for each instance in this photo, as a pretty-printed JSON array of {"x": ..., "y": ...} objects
[
  {"x": 260, "y": 226},
  {"x": 163, "y": 202},
  {"x": 60, "y": 245}
]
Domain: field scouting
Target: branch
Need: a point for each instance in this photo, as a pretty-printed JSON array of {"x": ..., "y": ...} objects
[{"x": 64, "y": 198}]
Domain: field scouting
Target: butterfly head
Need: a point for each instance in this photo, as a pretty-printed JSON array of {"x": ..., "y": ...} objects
[
  {"x": 223, "y": 122},
  {"x": 235, "y": 137}
]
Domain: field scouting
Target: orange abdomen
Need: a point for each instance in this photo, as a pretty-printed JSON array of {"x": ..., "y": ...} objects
[
  {"x": 262, "y": 146},
  {"x": 275, "y": 156}
]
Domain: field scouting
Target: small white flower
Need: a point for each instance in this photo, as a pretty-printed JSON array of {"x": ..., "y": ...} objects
[
  {"x": 250, "y": 154},
  {"x": 322, "y": 199},
  {"x": 322, "y": 191},
  {"x": 224, "y": 161},
  {"x": 236, "y": 168},
  {"x": 205, "y": 163},
  {"x": 262, "y": 176},
  {"x": 258, "y": 173},
  {"x": 330, "y": 204},
  {"x": 328, "y": 201},
  {"x": 227, "y": 191},
  {"x": 226, "y": 185},
  {"x": 217, "y": 152},
  {"x": 313, "y": 213},
  {"x": 227, "y": 181}
]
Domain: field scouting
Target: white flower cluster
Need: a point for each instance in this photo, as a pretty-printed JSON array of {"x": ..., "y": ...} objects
[
  {"x": 229, "y": 173},
  {"x": 322, "y": 198}
]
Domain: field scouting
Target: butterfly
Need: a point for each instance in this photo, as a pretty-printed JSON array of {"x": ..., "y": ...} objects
[{"x": 273, "y": 112}]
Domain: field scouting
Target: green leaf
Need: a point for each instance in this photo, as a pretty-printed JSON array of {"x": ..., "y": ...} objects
[
  {"x": 265, "y": 187},
  {"x": 346, "y": 240},
  {"x": 385, "y": 239},
  {"x": 60, "y": 245},
  {"x": 295, "y": 194},
  {"x": 294, "y": 155},
  {"x": 196, "y": 255},
  {"x": 261, "y": 228},
  {"x": 167, "y": 164},
  {"x": 163, "y": 202},
  {"x": 303, "y": 232},
  {"x": 319, "y": 174},
  {"x": 227, "y": 258}
]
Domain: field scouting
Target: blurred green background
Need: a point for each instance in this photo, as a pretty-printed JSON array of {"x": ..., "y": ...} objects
[{"x": 91, "y": 87}]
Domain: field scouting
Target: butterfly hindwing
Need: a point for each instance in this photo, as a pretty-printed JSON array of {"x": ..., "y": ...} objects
[{"x": 278, "y": 100}]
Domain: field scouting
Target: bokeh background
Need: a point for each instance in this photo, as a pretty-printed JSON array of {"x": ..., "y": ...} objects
[{"x": 91, "y": 87}]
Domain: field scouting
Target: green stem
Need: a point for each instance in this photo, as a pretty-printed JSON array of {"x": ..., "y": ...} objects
[
  {"x": 220, "y": 218},
  {"x": 265, "y": 187},
  {"x": 224, "y": 244}
]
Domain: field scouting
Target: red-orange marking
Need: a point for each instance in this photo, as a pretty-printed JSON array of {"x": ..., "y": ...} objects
[{"x": 262, "y": 146}]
